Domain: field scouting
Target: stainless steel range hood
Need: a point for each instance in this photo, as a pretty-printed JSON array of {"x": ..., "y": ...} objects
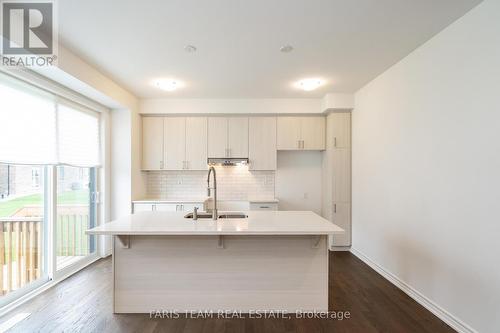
[{"x": 228, "y": 161}]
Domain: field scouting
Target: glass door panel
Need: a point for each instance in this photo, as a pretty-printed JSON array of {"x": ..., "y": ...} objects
[
  {"x": 23, "y": 221},
  {"x": 75, "y": 213}
]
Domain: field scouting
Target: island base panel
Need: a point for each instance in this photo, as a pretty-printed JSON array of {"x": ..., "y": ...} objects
[{"x": 191, "y": 273}]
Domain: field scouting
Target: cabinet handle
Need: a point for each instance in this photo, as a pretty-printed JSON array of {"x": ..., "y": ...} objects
[
  {"x": 298, "y": 144},
  {"x": 335, "y": 142},
  {"x": 302, "y": 144},
  {"x": 161, "y": 164},
  {"x": 264, "y": 207},
  {"x": 335, "y": 208},
  {"x": 153, "y": 207}
]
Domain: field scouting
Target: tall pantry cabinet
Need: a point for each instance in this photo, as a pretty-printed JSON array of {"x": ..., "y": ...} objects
[{"x": 336, "y": 204}]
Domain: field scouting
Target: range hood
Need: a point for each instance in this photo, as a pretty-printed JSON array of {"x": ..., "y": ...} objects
[{"x": 226, "y": 161}]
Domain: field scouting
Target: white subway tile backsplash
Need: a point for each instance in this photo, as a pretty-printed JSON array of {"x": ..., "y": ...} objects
[{"x": 233, "y": 183}]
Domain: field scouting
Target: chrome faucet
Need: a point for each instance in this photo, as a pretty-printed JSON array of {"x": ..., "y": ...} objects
[{"x": 214, "y": 211}]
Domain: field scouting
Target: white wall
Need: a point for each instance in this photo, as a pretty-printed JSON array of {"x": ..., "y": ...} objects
[
  {"x": 241, "y": 106},
  {"x": 299, "y": 175},
  {"x": 127, "y": 182},
  {"x": 426, "y": 170}
]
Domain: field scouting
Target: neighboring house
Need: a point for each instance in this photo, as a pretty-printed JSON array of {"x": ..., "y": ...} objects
[
  {"x": 18, "y": 180},
  {"x": 21, "y": 180}
]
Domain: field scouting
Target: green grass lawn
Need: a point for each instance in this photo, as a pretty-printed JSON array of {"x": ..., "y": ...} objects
[{"x": 9, "y": 207}]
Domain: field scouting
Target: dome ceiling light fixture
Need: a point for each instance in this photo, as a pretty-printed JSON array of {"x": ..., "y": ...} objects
[
  {"x": 286, "y": 48},
  {"x": 309, "y": 84},
  {"x": 190, "y": 48},
  {"x": 168, "y": 84}
]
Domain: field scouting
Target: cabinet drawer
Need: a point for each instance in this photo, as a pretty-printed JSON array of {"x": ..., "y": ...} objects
[{"x": 264, "y": 206}]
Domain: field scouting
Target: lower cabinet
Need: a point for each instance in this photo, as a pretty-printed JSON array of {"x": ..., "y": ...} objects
[
  {"x": 263, "y": 206},
  {"x": 341, "y": 216},
  {"x": 166, "y": 207}
]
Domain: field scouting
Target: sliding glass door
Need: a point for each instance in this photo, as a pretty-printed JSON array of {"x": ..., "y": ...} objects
[
  {"x": 23, "y": 229},
  {"x": 76, "y": 212},
  {"x": 46, "y": 205}
]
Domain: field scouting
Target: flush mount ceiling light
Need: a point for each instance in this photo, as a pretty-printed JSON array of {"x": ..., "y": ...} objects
[
  {"x": 309, "y": 84},
  {"x": 286, "y": 48},
  {"x": 190, "y": 48},
  {"x": 168, "y": 84}
]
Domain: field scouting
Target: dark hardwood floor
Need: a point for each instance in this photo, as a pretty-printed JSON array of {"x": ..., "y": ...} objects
[{"x": 83, "y": 303}]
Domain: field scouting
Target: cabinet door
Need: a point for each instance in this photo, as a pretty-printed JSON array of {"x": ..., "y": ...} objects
[
  {"x": 166, "y": 207},
  {"x": 142, "y": 207},
  {"x": 190, "y": 207},
  {"x": 342, "y": 218},
  {"x": 312, "y": 132},
  {"x": 341, "y": 164},
  {"x": 237, "y": 137},
  {"x": 262, "y": 143},
  {"x": 340, "y": 126},
  {"x": 288, "y": 133},
  {"x": 217, "y": 137},
  {"x": 175, "y": 143},
  {"x": 152, "y": 143},
  {"x": 196, "y": 143}
]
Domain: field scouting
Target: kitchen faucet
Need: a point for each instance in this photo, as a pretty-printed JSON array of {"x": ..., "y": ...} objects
[{"x": 214, "y": 211}]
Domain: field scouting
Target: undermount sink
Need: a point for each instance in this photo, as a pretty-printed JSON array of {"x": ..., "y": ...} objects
[{"x": 204, "y": 215}]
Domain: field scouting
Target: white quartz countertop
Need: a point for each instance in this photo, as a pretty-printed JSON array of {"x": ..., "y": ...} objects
[{"x": 257, "y": 223}]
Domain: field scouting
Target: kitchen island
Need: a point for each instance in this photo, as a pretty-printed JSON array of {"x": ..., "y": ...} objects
[{"x": 270, "y": 260}]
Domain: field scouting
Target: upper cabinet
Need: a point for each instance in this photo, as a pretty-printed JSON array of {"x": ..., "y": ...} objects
[
  {"x": 196, "y": 143},
  {"x": 185, "y": 143},
  {"x": 262, "y": 143},
  {"x": 228, "y": 137},
  {"x": 217, "y": 137},
  {"x": 152, "y": 143},
  {"x": 174, "y": 143},
  {"x": 237, "y": 137},
  {"x": 301, "y": 133},
  {"x": 339, "y": 133}
]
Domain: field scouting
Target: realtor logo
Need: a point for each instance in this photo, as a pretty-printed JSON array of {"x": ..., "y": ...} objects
[{"x": 28, "y": 33}]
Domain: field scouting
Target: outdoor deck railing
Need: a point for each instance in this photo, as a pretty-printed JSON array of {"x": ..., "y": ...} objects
[
  {"x": 20, "y": 251},
  {"x": 22, "y": 241}
]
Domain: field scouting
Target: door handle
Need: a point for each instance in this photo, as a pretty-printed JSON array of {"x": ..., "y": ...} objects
[{"x": 335, "y": 208}]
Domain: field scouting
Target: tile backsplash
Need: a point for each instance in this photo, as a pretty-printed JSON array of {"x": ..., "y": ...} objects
[{"x": 233, "y": 183}]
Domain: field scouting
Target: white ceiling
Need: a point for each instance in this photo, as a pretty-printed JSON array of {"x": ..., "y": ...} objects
[{"x": 345, "y": 42}]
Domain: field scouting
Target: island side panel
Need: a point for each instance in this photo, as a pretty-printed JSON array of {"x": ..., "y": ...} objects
[{"x": 189, "y": 273}]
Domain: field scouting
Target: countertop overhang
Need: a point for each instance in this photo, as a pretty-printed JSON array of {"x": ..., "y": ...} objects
[{"x": 257, "y": 223}]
